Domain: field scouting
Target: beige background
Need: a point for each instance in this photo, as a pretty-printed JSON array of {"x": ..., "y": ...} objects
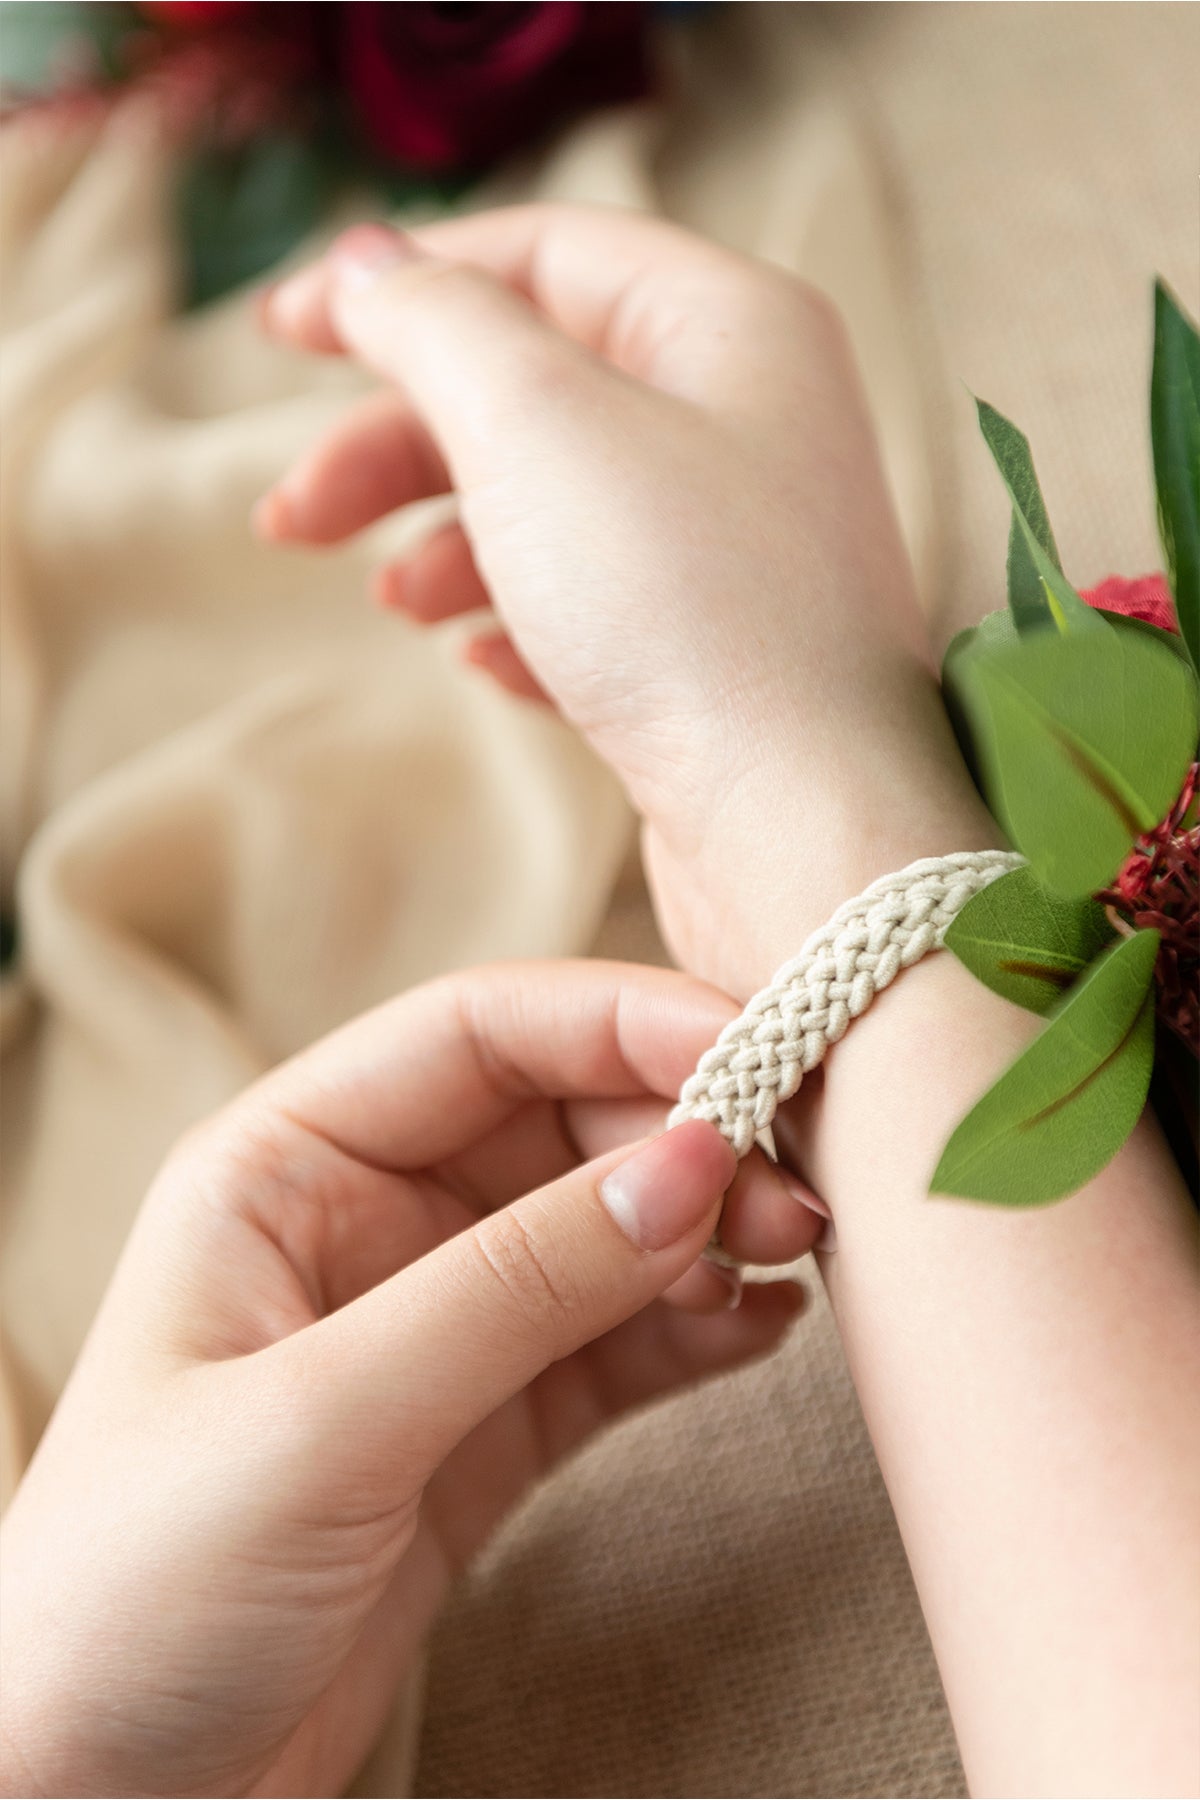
[{"x": 238, "y": 807}]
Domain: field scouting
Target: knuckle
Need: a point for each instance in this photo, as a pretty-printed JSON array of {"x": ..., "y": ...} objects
[{"x": 517, "y": 1264}]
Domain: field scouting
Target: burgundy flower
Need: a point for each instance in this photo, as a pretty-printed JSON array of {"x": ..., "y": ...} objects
[
  {"x": 1143, "y": 597},
  {"x": 454, "y": 86},
  {"x": 194, "y": 15},
  {"x": 1158, "y": 889}
]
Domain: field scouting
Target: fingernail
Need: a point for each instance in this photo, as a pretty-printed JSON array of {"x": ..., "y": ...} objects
[
  {"x": 272, "y": 516},
  {"x": 361, "y": 253},
  {"x": 670, "y": 1185},
  {"x": 804, "y": 1194},
  {"x": 387, "y": 588},
  {"x": 732, "y": 1279}
]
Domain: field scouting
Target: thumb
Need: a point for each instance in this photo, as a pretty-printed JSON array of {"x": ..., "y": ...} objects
[
  {"x": 473, "y": 357},
  {"x": 427, "y": 1355}
]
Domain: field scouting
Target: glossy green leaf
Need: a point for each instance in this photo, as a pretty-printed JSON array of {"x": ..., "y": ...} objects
[
  {"x": 1067, "y": 1104},
  {"x": 1038, "y": 591},
  {"x": 1170, "y": 640},
  {"x": 1026, "y": 943},
  {"x": 1083, "y": 744},
  {"x": 1026, "y": 595},
  {"x": 1175, "y": 431},
  {"x": 993, "y": 628}
]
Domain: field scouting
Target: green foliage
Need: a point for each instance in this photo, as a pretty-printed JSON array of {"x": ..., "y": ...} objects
[
  {"x": 1067, "y": 1104},
  {"x": 1082, "y": 743},
  {"x": 241, "y": 210},
  {"x": 1079, "y": 727},
  {"x": 994, "y": 628},
  {"x": 1039, "y": 594},
  {"x": 1170, "y": 640},
  {"x": 1026, "y": 943},
  {"x": 1175, "y": 433}
]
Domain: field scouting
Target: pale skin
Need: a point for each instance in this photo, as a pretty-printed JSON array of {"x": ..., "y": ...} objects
[{"x": 669, "y": 495}]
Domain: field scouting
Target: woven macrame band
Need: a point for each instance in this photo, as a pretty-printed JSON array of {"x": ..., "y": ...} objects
[{"x": 762, "y": 1056}]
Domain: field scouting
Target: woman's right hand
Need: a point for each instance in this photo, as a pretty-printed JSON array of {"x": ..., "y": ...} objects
[{"x": 669, "y": 489}]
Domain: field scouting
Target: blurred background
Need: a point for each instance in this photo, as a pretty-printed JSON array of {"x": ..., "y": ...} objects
[{"x": 238, "y": 805}]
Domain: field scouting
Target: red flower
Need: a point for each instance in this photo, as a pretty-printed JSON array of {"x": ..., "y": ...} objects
[
  {"x": 452, "y": 87},
  {"x": 1158, "y": 889},
  {"x": 1144, "y": 597},
  {"x": 194, "y": 15}
]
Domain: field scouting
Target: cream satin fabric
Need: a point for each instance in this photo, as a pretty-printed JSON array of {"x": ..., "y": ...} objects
[{"x": 237, "y": 805}]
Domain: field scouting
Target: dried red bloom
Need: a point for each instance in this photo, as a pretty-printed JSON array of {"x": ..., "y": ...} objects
[
  {"x": 1142, "y": 597},
  {"x": 194, "y": 15},
  {"x": 1158, "y": 888}
]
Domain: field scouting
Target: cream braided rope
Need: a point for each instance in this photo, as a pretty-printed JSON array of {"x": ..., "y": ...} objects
[{"x": 762, "y": 1056}]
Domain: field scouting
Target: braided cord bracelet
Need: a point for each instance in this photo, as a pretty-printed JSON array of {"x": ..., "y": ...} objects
[{"x": 763, "y": 1055}]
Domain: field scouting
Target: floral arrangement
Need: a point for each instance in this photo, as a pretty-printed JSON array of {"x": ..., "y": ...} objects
[
  {"x": 278, "y": 107},
  {"x": 1079, "y": 713}
]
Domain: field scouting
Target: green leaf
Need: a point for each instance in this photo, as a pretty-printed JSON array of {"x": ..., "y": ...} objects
[
  {"x": 1038, "y": 591},
  {"x": 1025, "y": 942},
  {"x": 1175, "y": 432},
  {"x": 1083, "y": 744},
  {"x": 1170, "y": 640},
  {"x": 1026, "y": 596},
  {"x": 993, "y": 628},
  {"x": 241, "y": 210},
  {"x": 1066, "y": 1105}
]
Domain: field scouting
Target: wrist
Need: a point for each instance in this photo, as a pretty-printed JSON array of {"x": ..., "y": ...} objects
[{"x": 781, "y": 849}]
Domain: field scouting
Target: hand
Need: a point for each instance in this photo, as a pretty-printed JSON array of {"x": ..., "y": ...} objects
[
  {"x": 339, "y": 1346},
  {"x": 669, "y": 489}
]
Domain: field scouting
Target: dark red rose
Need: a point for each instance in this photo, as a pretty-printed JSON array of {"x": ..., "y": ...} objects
[
  {"x": 455, "y": 86},
  {"x": 1143, "y": 597},
  {"x": 194, "y": 15}
]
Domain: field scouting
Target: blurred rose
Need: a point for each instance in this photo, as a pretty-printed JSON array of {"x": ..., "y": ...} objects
[
  {"x": 1145, "y": 597},
  {"x": 454, "y": 86},
  {"x": 190, "y": 15}
]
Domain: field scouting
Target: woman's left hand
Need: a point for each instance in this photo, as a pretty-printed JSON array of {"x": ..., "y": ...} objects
[{"x": 361, "y": 1310}]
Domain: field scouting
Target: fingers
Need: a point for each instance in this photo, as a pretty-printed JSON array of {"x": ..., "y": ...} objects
[
  {"x": 598, "y": 273},
  {"x": 495, "y": 655},
  {"x": 475, "y": 360},
  {"x": 769, "y": 1217},
  {"x": 428, "y": 1355},
  {"x": 415, "y": 1081},
  {"x": 676, "y": 310},
  {"x": 631, "y": 288},
  {"x": 438, "y": 580},
  {"x": 376, "y": 458}
]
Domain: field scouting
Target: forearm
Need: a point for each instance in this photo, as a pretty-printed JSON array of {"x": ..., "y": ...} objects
[{"x": 1030, "y": 1379}]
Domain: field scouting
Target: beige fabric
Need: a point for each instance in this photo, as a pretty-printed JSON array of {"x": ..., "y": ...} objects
[{"x": 244, "y": 807}]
